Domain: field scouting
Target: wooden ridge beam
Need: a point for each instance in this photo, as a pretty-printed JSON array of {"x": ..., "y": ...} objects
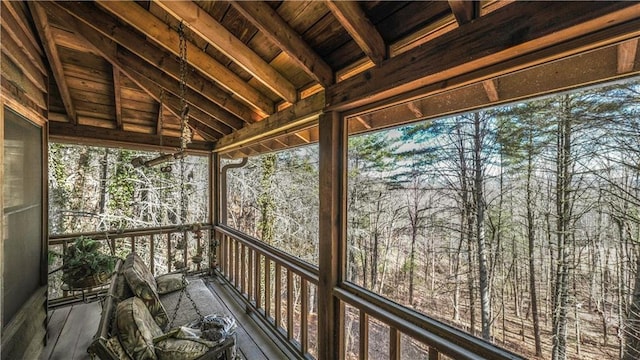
[
  {"x": 627, "y": 55},
  {"x": 465, "y": 10},
  {"x": 355, "y": 21},
  {"x": 299, "y": 116},
  {"x": 108, "y": 49},
  {"x": 145, "y": 22},
  {"x": 84, "y": 134},
  {"x": 51, "y": 51},
  {"x": 222, "y": 39},
  {"x": 270, "y": 24},
  {"x": 484, "y": 51}
]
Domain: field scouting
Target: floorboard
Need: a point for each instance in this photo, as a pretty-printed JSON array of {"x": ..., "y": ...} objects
[{"x": 71, "y": 328}]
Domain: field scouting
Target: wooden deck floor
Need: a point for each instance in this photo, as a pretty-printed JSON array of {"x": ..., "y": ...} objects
[{"x": 71, "y": 328}]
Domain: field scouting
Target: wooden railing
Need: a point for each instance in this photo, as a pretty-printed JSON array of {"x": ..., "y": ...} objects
[
  {"x": 280, "y": 288},
  {"x": 263, "y": 275},
  {"x": 164, "y": 249}
]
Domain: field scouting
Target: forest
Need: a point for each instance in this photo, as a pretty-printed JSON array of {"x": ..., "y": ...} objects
[{"x": 519, "y": 224}]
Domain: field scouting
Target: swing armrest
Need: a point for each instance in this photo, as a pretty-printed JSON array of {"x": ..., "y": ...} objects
[{"x": 98, "y": 345}]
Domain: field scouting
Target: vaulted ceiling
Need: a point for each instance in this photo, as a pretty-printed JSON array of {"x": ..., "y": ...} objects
[{"x": 252, "y": 67}]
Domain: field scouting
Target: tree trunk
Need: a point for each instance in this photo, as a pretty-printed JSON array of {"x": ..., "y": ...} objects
[
  {"x": 531, "y": 235},
  {"x": 563, "y": 214},
  {"x": 485, "y": 296}
]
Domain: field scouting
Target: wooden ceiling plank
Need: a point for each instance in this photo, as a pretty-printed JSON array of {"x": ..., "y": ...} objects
[
  {"x": 491, "y": 88},
  {"x": 117, "y": 94},
  {"x": 297, "y": 117},
  {"x": 107, "y": 48},
  {"x": 279, "y": 32},
  {"x": 153, "y": 54},
  {"x": 216, "y": 34},
  {"x": 157, "y": 30},
  {"x": 15, "y": 31},
  {"x": 627, "y": 55},
  {"x": 142, "y": 67},
  {"x": 484, "y": 51},
  {"x": 51, "y": 51},
  {"x": 355, "y": 21},
  {"x": 465, "y": 10}
]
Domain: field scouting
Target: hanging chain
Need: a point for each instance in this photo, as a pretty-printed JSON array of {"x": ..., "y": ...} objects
[{"x": 185, "y": 132}]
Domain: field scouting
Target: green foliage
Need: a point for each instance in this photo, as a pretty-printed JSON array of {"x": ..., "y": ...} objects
[
  {"x": 83, "y": 259},
  {"x": 266, "y": 202}
]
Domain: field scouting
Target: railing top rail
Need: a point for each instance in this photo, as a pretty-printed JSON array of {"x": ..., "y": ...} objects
[
  {"x": 298, "y": 266},
  {"x": 114, "y": 234},
  {"x": 445, "y": 338}
]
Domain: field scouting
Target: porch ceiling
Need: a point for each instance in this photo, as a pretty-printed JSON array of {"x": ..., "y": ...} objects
[{"x": 260, "y": 73}]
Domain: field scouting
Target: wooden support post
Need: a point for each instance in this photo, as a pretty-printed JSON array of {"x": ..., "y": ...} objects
[
  {"x": 394, "y": 343},
  {"x": 332, "y": 247},
  {"x": 363, "y": 353}
]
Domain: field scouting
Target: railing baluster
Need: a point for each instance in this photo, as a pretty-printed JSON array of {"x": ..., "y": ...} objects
[
  {"x": 243, "y": 266},
  {"x": 133, "y": 243},
  {"x": 290, "y": 304},
  {"x": 278, "y": 295},
  {"x": 236, "y": 264},
  {"x": 363, "y": 353},
  {"x": 152, "y": 251},
  {"x": 267, "y": 287},
  {"x": 434, "y": 354},
  {"x": 258, "y": 281},
  {"x": 251, "y": 282},
  {"x": 304, "y": 315},
  {"x": 394, "y": 343},
  {"x": 185, "y": 250},
  {"x": 169, "y": 238}
]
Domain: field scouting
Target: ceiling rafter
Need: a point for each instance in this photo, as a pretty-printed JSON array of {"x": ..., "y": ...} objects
[
  {"x": 491, "y": 88},
  {"x": 301, "y": 115},
  {"x": 136, "y": 43},
  {"x": 130, "y": 60},
  {"x": 363, "y": 32},
  {"x": 478, "y": 57},
  {"x": 465, "y": 10},
  {"x": 117, "y": 95},
  {"x": 222, "y": 39},
  {"x": 51, "y": 51},
  {"x": 107, "y": 48},
  {"x": 627, "y": 55},
  {"x": 169, "y": 39},
  {"x": 269, "y": 22}
]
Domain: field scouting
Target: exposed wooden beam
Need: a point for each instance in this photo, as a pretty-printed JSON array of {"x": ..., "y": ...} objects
[
  {"x": 491, "y": 88},
  {"x": 108, "y": 49},
  {"x": 627, "y": 55},
  {"x": 93, "y": 135},
  {"x": 222, "y": 39},
  {"x": 117, "y": 94},
  {"x": 484, "y": 51},
  {"x": 131, "y": 61},
  {"x": 51, "y": 51},
  {"x": 158, "y": 31},
  {"x": 152, "y": 54},
  {"x": 280, "y": 33},
  {"x": 355, "y": 21},
  {"x": 301, "y": 115},
  {"x": 465, "y": 10},
  {"x": 160, "y": 120}
]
